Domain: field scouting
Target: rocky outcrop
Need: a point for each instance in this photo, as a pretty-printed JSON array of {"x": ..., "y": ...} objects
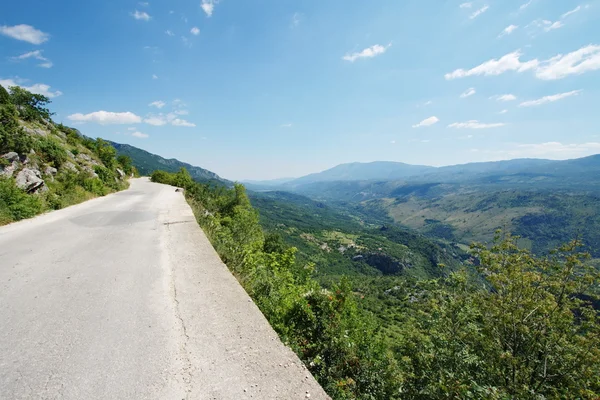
[
  {"x": 86, "y": 158},
  {"x": 30, "y": 180},
  {"x": 121, "y": 173},
  {"x": 35, "y": 131},
  {"x": 12, "y": 156}
]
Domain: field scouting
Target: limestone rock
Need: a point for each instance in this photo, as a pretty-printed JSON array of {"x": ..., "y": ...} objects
[
  {"x": 69, "y": 165},
  {"x": 35, "y": 131},
  {"x": 121, "y": 173},
  {"x": 9, "y": 170},
  {"x": 30, "y": 180},
  {"x": 12, "y": 156},
  {"x": 50, "y": 171}
]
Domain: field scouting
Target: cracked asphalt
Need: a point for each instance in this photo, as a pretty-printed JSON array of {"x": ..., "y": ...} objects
[{"x": 123, "y": 297}]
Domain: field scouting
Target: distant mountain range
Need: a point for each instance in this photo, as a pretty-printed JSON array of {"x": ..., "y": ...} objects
[{"x": 146, "y": 163}]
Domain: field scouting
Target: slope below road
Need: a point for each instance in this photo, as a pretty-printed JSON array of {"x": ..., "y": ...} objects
[{"x": 123, "y": 297}]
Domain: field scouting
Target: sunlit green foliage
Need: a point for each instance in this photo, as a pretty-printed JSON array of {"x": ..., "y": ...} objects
[{"x": 31, "y": 106}]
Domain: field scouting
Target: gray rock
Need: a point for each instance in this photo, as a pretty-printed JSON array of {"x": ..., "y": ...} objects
[
  {"x": 87, "y": 158},
  {"x": 29, "y": 180},
  {"x": 70, "y": 155},
  {"x": 9, "y": 170},
  {"x": 35, "y": 131},
  {"x": 90, "y": 171},
  {"x": 121, "y": 173},
  {"x": 69, "y": 165},
  {"x": 50, "y": 171},
  {"x": 12, "y": 156}
]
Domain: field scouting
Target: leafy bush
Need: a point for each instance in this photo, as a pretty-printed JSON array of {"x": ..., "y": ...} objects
[
  {"x": 12, "y": 137},
  {"x": 51, "y": 151},
  {"x": 15, "y": 204}
]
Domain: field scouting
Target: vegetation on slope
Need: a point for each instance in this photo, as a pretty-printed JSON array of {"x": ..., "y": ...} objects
[
  {"x": 525, "y": 329},
  {"x": 46, "y": 166}
]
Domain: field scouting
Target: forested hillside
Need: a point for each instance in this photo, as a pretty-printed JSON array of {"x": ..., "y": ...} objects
[
  {"x": 146, "y": 163},
  {"x": 506, "y": 324},
  {"x": 46, "y": 166}
]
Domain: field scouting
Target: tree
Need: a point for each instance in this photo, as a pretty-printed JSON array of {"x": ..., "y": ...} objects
[
  {"x": 31, "y": 106},
  {"x": 126, "y": 162},
  {"x": 4, "y": 96},
  {"x": 106, "y": 152}
]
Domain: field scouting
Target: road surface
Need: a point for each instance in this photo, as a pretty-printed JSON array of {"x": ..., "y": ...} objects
[{"x": 123, "y": 297}]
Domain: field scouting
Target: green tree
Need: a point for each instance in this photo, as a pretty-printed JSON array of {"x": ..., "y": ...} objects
[
  {"x": 31, "y": 106},
  {"x": 4, "y": 96},
  {"x": 126, "y": 162},
  {"x": 106, "y": 152}
]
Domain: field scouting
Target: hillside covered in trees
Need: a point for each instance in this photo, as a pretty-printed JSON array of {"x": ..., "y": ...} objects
[
  {"x": 501, "y": 324},
  {"x": 46, "y": 166}
]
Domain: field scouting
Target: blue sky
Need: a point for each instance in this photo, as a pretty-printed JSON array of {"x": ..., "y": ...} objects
[{"x": 261, "y": 89}]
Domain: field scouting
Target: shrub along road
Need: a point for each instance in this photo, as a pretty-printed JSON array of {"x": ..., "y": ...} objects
[{"x": 123, "y": 297}]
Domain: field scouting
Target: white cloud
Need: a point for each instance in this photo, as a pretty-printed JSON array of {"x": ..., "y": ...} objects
[
  {"x": 505, "y": 97},
  {"x": 573, "y": 11},
  {"x": 503, "y": 112},
  {"x": 195, "y": 31},
  {"x": 169, "y": 32},
  {"x": 393, "y": 142},
  {"x": 158, "y": 104},
  {"x": 427, "y": 122},
  {"x": 508, "y": 30},
  {"x": 37, "y": 54},
  {"x": 369, "y": 52},
  {"x": 182, "y": 122},
  {"x": 296, "y": 19},
  {"x": 140, "y": 135},
  {"x": 144, "y": 3},
  {"x": 558, "y": 67},
  {"x": 39, "y": 88},
  {"x": 549, "y": 99},
  {"x": 107, "y": 118},
  {"x": 574, "y": 63},
  {"x": 427, "y": 103},
  {"x": 26, "y": 33},
  {"x": 466, "y": 5},
  {"x": 154, "y": 76},
  {"x": 132, "y": 129},
  {"x": 286, "y": 125},
  {"x": 509, "y": 62},
  {"x": 469, "y": 92},
  {"x": 525, "y": 5},
  {"x": 170, "y": 118},
  {"x": 141, "y": 15},
  {"x": 474, "y": 124},
  {"x": 477, "y": 13},
  {"x": 549, "y": 25},
  {"x": 208, "y": 6}
]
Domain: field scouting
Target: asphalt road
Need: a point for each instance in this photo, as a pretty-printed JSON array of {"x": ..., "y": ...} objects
[{"x": 123, "y": 297}]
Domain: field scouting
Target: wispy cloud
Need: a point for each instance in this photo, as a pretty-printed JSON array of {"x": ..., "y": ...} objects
[
  {"x": 504, "y": 97},
  {"x": 169, "y": 32},
  {"x": 157, "y": 104},
  {"x": 141, "y": 15},
  {"x": 575, "y": 63},
  {"x": 286, "y": 125},
  {"x": 573, "y": 11},
  {"x": 169, "y": 118},
  {"x": 369, "y": 52},
  {"x": 154, "y": 76},
  {"x": 466, "y": 5},
  {"x": 139, "y": 135},
  {"x": 39, "y": 88},
  {"x": 503, "y": 112},
  {"x": 106, "y": 118},
  {"x": 474, "y": 124},
  {"x": 296, "y": 18},
  {"x": 26, "y": 33},
  {"x": 427, "y": 122},
  {"x": 195, "y": 31},
  {"x": 208, "y": 6},
  {"x": 549, "y": 99},
  {"x": 509, "y": 62},
  {"x": 508, "y": 30},
  {"x": 477, "y": 13},
  {"x": 37, "y": 54},
  {"x": 468, "y": 92},
  {"x": 525, "y": 5}
]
